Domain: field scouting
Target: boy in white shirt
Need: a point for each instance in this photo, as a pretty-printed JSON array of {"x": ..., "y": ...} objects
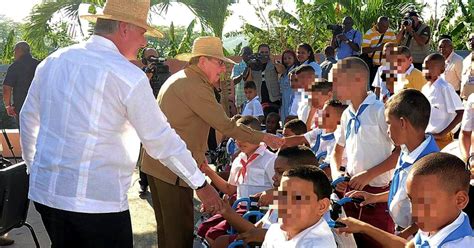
[
  {"x": 252, "y": 106},
  {"x": 437, "y": 206},
  {"x": 407, "y": 114},
  {"x": 303, "y": 199},
  {"x": 466, "y": 137},
  {"x": 364, "y": 138},
  {"x": 302, "y": 79},
  {"x": 251, "y": 172},
  {"x": 446, "y": 105},
  {"x": 287, "y": 158}
]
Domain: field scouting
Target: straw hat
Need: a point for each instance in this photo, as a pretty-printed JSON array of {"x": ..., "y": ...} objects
[
  {"x": 129, "y": 11},
  {"x": 206, "y": 46}
]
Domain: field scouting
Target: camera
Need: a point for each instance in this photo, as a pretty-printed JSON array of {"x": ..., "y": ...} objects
[
  {"x": 254, "y": 61},
  {"x": 407, "y": 21},
  {"x": 160, "y": 71},
  {"x": 335, "y": 28}
]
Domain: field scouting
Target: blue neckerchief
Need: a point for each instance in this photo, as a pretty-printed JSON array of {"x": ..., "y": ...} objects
[
  {"x": 432, "y": 147},
  {"x": 321, "y": 154},
  {"x": 328, "y": 136},
  {"x": 355, "y": 118},
  {"x": 462, "y": 231},
  {"x": 315, "y": 148}
]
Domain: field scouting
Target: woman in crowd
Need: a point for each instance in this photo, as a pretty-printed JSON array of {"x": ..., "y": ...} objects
[
  {"x": 305, "y": 55},
  {"x": 290, "y": 61}
]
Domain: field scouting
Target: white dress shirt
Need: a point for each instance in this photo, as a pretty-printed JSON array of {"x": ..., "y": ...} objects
[
  {"x": 468, "y": 117},
  {"x": 379, "y": 83},
  {"x": 253, "y": 108},
  {"x": 371, "y": 145},
  {"x": 444, "y": 104},
  {"x": 436, "y": 239},
  {"x": 259, "y": 173},
  {"x": 301, "y": 105},
  {"x": 318, "y": 235},
  {"x": 400, "y": 207},
  {"x": 86, "y": 111},
  {"x": 453, "y": 72}
]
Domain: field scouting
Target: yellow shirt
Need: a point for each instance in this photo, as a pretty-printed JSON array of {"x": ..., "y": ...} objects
[{"x": 372, "y": 37}]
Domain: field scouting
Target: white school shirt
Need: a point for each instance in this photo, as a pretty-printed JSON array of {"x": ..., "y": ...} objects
[
  {"x": 402, "y": 79},
  {"x": 317, "y": 235},
  {"x": 259, "y": 173},
  {"x": 301, "y": 105},
  {"x": 400, "y": 207},
  {"x": 435, "y": 240},
  {"x": 444, "y": 103},
  {"x": 253, "y": 107},
  {"x": 379, "y": 83},
  {"x": 80, "y": 121},
  {"x": 468, "y": 116},
  {"x": 453, "y": 72},
  {"x": 371, "y": 145},
  {"x": 270, "y": 218}
]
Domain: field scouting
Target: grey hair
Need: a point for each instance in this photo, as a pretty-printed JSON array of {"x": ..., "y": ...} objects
[
  {"x": 23, "y": 46},
  {"x": 105, "y": 26}
]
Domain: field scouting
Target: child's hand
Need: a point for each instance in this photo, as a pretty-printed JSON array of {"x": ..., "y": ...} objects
[
  {"x": 224, "y": 207},
  {"x": 204, "y": 167},
  {"x": 352, "y": 225},
  {"x": 360, "y": 180},
  {"x": 368, "y": 197},
  {"x": 266, "y": 198},
  {"x": 252, "y": 235},
  {"x": 341, "y": 187}
]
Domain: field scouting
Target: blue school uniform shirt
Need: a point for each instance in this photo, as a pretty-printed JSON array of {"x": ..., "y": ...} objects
[
  {"x": 458, "y": 234},
  {"x": 398, "y": 201}
]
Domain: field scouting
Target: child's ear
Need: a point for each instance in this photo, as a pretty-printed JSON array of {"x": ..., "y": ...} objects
[
  {"x": 462, "y": 199},
  {"x": 324, "y": 205}
]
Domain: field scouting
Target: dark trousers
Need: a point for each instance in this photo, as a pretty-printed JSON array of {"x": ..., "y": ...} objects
[
  {"x": 143, "y": 181},
  {"x": 174, "y": 213},
  {"x": 70, "y": 229}
]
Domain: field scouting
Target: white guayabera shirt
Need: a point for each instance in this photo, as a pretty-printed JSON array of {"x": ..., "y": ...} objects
[{"x": 86, "y": 111}]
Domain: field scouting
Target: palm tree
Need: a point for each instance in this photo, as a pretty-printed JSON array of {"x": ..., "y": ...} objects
[{"x": 211, "y": 13}]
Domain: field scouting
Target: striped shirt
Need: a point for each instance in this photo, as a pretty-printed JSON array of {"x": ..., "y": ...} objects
[{"x": 371, "y": 39}]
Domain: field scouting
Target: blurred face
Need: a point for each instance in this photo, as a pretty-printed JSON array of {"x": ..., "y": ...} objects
[
  {"x": 433, "y": 207},
  {"x": 246, "y": 147},
  {"x": 431, "y": 70},
  {"x": 288, "y": 132},
  {"x": 250, "y": 93},
  {"x": 281, "y": 165},
  {"x": 302, "y": 54},
  {"x": 306, "y": 79},
  {"x": 213, "y": 68},
  {"x": 347, "y": 24},
  {"x": 403, "y": 63},
  {"x": 348, "y": 83},
  {"x": 288, "y": 59},
  {"x": 265, "y": 52},
  {"x": 388, "y": 54},
  {"x": 295, "y": 83},
  {"x": 298, "y": 205},
  {"x": 395, "y": 127},
  {"x": 382, "y": 26},
  {"x": 17, "y": 53},
  {"x": 132, "y": 38},
  {"x": 319, "y": 97},
  {"x": 271, "y": 124},
  {"x": 331, "y": 117},
  {"x": 445, "y": 48}
]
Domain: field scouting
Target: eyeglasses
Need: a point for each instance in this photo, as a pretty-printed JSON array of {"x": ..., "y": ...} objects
[{"x": 219, "y": 62}]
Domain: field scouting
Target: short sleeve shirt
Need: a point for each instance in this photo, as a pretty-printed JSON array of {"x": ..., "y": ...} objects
[{"x": 19, "y": 77}]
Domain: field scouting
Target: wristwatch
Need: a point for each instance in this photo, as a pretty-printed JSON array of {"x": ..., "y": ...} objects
[{"x": 203, "y": 185}]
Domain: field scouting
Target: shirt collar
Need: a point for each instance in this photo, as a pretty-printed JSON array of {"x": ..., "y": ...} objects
[
  {"x": 410, "y": 157},
  {"x": 260, "y": 150},
  {"x": 410, "y": 69},
  {"x": 436, "y": 239},
  {"x": 102, "y": 41},
  {"x": 255, "y": 98},
  {"x": 450, "y": 57},
  {"x": 370, "y": 99}
]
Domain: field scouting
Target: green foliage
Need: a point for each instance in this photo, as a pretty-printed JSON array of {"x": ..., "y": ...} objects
[{"x": 457, "y": 22}]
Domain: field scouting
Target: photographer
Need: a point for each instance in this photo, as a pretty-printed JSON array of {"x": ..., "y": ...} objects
[
  {"x": 415, "y": 35},
  {"x": 264, "y": 73},
  {"x": 345, "y": 39}
]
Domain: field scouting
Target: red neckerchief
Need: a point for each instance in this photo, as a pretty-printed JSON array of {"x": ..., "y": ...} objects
[{"x": 244, "y": 164}]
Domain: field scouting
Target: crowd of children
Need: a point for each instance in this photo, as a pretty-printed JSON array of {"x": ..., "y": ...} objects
[{"x": 381, "y": 150}]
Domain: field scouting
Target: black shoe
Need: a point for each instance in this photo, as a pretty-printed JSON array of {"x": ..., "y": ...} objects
[
  {"x": 6, "y": 241},
  {"x": 143, "y": 190}
]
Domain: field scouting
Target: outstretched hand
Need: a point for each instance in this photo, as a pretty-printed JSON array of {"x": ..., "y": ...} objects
[
  {"x": 273, "y": 141},
  {"x": 210, "y": 199}
]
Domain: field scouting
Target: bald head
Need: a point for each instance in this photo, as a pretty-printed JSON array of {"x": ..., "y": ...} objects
[
  {"x": 21, "y": 48},
  {"x": 445, "y": 47}
]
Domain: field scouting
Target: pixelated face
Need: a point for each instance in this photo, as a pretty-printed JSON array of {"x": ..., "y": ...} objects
[
  {"x": 319, "y": 97},
  {"x": 298, "y": 205},
  {"x": 347, "y": 82},
  {"x": 394, "y": 128},
  {"x": 432, "y": 205},
  {"x": 280, "y": 166},
  {"x": 306, "y": 79},
  {"x": 288, "y": 132},
  {"x": 389, "y": 54},
  {"x": 288, "y": 59},
  {"x": 431, "y": 71},
  {"x": 271, "y": 123},
  {"x": 295, "y": 83},
  {"x": 246, "y": 147},
  {"x": 330, "y": 118},
  {"x": 302, "y": 54},
  {"x": 250, "y": 93},
  {"x": 402, "y": 63}
]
